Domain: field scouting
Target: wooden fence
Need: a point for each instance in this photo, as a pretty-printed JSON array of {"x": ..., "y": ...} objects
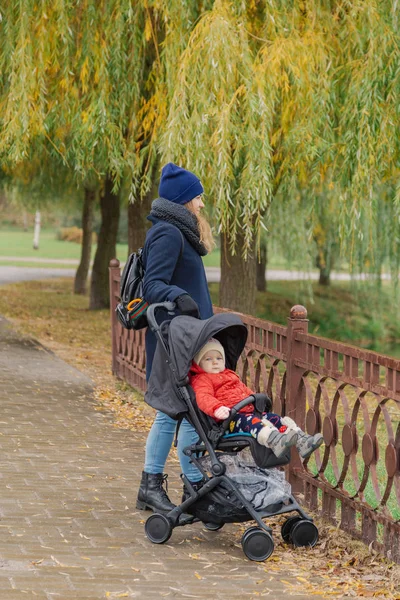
[{"x": 349, "y": 394}]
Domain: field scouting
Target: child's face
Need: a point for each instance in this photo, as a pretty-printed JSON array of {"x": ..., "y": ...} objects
[{"x": 212, "y": 362}]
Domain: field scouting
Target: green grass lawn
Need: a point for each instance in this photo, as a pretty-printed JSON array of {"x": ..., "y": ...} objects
[
  {"x": 14, "y": 242},
  {"x": 19, "y": 244}
]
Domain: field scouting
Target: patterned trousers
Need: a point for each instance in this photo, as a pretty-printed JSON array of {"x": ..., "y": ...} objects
[{"x": 249, "y": 423}]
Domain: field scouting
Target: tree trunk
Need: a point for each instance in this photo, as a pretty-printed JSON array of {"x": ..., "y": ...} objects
[
  {"x": 137, "y": 221},
  {"x": 325, "y": 266},
  {"x": 36, "y": 231},
  {"x": 106, "y": 247},
  {"x": 261, "y": 267},
  {"x": 238, "y": 278},
  {"x": 86, "y": 248},
  {"x": 324, "y": 276}
]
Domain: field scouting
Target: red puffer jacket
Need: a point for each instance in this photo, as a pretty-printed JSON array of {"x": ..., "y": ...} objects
[{"x": 218, "y": 389}]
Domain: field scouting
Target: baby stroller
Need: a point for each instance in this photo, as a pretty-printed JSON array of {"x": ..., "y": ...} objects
[{"x": 219, "y": 500}]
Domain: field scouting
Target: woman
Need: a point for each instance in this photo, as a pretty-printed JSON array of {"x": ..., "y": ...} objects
[{"x": 174, "y": 271}]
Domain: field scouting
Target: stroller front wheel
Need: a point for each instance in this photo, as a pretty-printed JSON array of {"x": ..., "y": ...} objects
[
  {"x": 257, "y": 544},
  {"x": 158, "y": 528}
]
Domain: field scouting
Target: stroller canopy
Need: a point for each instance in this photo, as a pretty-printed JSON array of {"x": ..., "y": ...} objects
[
  {"x": 185, "y": 337},
  {"x": 188, "y": 335}
]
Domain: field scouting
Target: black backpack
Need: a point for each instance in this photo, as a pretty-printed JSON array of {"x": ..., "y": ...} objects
[{"x": 132, "y": 308}]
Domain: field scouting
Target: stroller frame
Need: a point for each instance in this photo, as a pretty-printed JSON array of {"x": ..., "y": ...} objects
[{"x": 257, "y": 541}]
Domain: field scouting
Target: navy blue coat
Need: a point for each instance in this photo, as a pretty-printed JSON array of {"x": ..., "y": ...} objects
[{"x": 171, "y": 271}]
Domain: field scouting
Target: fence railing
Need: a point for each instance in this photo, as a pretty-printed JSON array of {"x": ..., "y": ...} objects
[{"x": 351, "y": 395}]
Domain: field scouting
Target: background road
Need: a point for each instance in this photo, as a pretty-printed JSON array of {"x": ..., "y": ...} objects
[{"x": 10, "y": 274}]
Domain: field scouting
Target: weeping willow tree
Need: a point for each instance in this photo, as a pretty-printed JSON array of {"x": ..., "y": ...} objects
[
  {"x": 270, "y": 97},
  {"x": 73, "y": 76},
  {"x": 86, "y": 81},
  {"x": 260, "y": 99}
]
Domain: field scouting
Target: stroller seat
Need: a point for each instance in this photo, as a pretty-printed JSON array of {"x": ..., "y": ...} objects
[{"x": 218, "y": 500}]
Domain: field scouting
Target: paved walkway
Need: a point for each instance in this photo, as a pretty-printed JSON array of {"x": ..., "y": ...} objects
[{"x": 68, "y": 524}]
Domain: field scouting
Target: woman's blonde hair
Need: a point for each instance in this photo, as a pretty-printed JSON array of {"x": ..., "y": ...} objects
[{"x": 206, "y": 236}]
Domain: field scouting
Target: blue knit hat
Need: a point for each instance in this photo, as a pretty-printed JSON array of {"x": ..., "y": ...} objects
[{"x": 178, "y": 185}]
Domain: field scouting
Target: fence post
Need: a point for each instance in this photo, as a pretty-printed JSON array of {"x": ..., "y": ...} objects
[
  {"x": 114, "y": 272},
  {"x": 295, "y": 391}
]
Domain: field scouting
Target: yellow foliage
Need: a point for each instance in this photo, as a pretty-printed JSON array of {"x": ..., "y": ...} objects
[
  {"x": 148, "y": 29},
  {"x": 84, "y": 75}
]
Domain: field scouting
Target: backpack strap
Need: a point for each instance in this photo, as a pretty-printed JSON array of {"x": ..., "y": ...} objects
[{"x": 182, "y": 247}]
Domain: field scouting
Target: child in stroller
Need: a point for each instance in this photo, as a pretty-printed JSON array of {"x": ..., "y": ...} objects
[
  {"x": 218, "y": 389},
  {"x": 219, "y": 500}
]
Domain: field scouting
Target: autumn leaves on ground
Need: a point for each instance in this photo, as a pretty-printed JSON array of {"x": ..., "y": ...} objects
[{"x": 338, "y": 567}]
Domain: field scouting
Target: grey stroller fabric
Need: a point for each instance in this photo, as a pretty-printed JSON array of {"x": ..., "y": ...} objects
[
  {"x": 184, "y": 336},
  {"x": 261, "y": 487}
]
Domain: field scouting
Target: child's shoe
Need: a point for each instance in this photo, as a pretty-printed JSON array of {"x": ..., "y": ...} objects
[
  {"x": 307, "y": 444},
  {"x": 278, "y": 442}
]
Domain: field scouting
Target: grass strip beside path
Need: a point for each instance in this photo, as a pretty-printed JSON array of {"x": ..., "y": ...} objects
[{"x": 338, "y": 567}]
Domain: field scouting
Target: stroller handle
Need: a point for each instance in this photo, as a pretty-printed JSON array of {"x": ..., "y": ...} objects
[
  {"x": 255, "y": 399},
  {"x": 235, "y": 409},
  {"x": 151, "y": 313}
]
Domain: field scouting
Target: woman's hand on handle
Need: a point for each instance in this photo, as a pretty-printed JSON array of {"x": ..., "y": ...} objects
[{"x": 187, "y": 306}]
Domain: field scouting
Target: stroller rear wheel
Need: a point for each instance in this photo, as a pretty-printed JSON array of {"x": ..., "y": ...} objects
[
  {"x": 304, "y": 533},
  {"x": 158, "y": 529},
  {"x": 213, "y": 526},
  {"x": 257, "y": 544},
  {"x": 286, "y": 529}
]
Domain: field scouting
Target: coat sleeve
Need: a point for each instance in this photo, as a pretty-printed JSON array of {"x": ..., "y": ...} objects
[
  {"x": 163, "y": 251},
  {"x": 204, "y": 390}
]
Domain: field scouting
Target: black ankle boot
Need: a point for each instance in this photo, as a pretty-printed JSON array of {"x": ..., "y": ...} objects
[{"x": 152, "y": 495}]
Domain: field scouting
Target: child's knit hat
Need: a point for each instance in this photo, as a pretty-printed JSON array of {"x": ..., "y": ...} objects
[
  {"x": 212, "y": 344},
  {"x": 178, "y": 185}
]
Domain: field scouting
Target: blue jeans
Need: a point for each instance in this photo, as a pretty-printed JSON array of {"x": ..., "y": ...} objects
[{"x": 159, "y": 442}]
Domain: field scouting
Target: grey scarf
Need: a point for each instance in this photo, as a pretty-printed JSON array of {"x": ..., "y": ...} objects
[{"x": 182, "y": 218}]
